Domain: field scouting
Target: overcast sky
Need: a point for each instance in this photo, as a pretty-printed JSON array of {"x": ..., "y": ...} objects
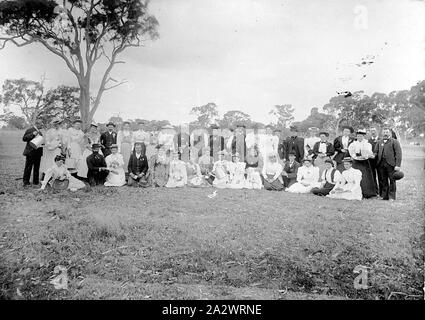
[{"x": 252, "y": 54}]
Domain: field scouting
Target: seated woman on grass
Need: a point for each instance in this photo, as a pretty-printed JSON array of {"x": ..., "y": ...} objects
[
  {"x": 220, "y": 171},
  {"x": 236, "y": 173},
  {"x": 330, "y": 177},
  {"x": 348, "y": 187},
  {"x": 254, "y": 165},
  {"x": 195, "y": 178},
  {"x": 59, "y": 172},
  {"x": 272, "y": 173},
  {"x": 159, "y": 167},
  {"x": 307, "y": 178},
  {"x": 178, "y": 174},
  {"x": 138, "y": 166},
  {"x": 115, "y": 166}
]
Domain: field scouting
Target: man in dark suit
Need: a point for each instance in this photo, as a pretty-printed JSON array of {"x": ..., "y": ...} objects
[
  {"x": 341, "y": 145},
  {"x": 290, "y": 170},
  {"x": 373, "y": 164},
  {"x": 32, "y": 155},
  {"x": 388, "y": 153},
  {"x": 294, "y": 144},
  {"x": 96, "y": 164},
  {"x": 108, "y": 138}
]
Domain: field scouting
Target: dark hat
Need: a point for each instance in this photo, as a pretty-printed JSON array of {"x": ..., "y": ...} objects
[
  {"x": 77, "y": 120},
  {"x": 361, "y": 131},
  {"x": 347, "y": 159},
  {"x": 139, "y": 143},
  {"x": 95, "y": 145},
  {"x": 325, "y": 133},
  {"x": 349, "y": 128},
  {"x": 59, "y": 157},
  {"x": 114, "y": 146},
  {"x": 110, "y": 124},
  {"x": 397, "y": 175},
  {"x": 93, "y": 125}
]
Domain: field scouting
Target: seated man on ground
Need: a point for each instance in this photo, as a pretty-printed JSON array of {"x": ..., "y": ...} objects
[
  {"x": 96, "y": 165},
  {"x": 290, "y": 170}
]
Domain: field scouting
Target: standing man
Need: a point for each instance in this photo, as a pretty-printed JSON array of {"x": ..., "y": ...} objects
[
  {"x": 216, "y": 141},
  {"x": 373, "y": 165},
  {"x": 388, "y": 153},
  {"x": 32, "y": 155},
  {"x": 295, "y": 144},
  {"x": 108, "y": 138},
  {"x": 341, "y": 144}
]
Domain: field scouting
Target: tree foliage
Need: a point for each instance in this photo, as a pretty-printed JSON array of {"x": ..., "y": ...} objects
[
  {"x": 29, "y": 98},
  {"x": 80, "y": 32},
  {"x": 234, "y": 117},
  {"x": 206, "y": 114},
  {"x": 283, "y": 114}
]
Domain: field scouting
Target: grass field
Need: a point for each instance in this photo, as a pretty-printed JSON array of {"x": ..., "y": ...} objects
[{"x": 122, "y": 243}]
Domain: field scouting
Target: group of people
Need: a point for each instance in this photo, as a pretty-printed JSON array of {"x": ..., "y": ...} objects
[{"x": 352, "y": 167}]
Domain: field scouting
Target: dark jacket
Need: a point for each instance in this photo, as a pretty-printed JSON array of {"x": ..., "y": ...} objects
[
  {"x": 237, "y": 148},
  {"x": 95, "y": 161},
  {"x": 137, "y": 166},
  {"x": 295, "y": 144},
  {"x": 291, "y": 170},
  {"x": 390, "y": 151},
  {"x": 281, "y": 149},
  {"x": 338, "y": 148},
  {"x": 29, "y": 151},
  {"x": 108, "y": 139},
  {"x": 329, "y": 149}
]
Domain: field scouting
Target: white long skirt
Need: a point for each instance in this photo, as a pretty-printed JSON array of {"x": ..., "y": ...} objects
[{"x": 115, "y": 179}]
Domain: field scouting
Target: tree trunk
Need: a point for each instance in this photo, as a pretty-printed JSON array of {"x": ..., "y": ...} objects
[{"x": 85, "y": 105}]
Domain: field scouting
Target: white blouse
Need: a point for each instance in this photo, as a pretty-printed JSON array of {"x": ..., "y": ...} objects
[{"x": 310, "y": 174}]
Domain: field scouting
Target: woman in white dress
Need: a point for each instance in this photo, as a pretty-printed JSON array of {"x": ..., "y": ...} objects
[
  {"x": 52, "y": 146},
  {"x": 125, "y": 143},
  {"x": 236, "y": 173},
  {"x": 115, "y": 165},
  {"x": 178, "y": 173},
  {"x": 90, "y": 138},
  {"x": 195, "y": 178},
  {"x": 220, "y": 171},
  {"x": 307, "y": 178},
  {"x": 58, "y": 171},
  {"x": 75, "y": 146},
  {"x": 272, "y": 173},
  {"x": 361, "y": 151},
  {"x": 348, "y": 187}
]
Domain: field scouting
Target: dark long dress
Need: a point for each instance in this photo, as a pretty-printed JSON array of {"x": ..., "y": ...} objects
[{"x": 368, "y": 183}]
